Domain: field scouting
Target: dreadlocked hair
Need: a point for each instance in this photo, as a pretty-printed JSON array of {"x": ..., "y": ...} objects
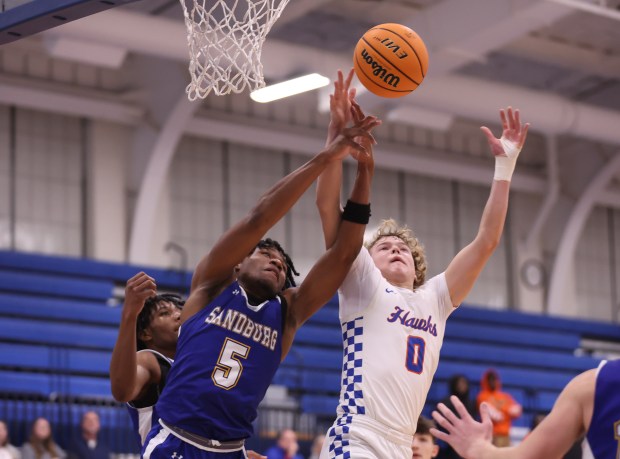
[
  {"x": 391, "y": 228},
  {"x": 269, "y": 243},
  {"x": 150, "y": 307}
]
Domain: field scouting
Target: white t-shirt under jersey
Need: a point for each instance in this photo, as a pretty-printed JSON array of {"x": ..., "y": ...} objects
[{"x": 392, "y": 338}]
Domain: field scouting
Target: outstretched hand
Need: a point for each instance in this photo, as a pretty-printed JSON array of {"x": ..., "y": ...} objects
[
  {"x": 137, "y": 290},
  {"x": 467, "y": 436},
  {"x": 255, "y": 455},
  {"x": 513, "y": 134},
  {"x": 340, "y": 104},
  {"x": 356, "y": 140}
]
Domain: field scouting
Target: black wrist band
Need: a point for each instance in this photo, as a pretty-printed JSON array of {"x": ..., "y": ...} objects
[{"x": 356, "y": 213}]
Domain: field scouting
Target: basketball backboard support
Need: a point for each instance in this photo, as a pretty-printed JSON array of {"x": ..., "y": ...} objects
[{"x": 21, "y": 18}]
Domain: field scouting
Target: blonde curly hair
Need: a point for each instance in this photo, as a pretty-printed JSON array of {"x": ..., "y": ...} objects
[{"x": 391, "y": 228}]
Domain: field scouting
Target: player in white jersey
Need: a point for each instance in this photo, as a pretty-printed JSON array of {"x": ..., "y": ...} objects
[
  {"x": 144, "y": 349},
  {"x": 392, "y": 321}
]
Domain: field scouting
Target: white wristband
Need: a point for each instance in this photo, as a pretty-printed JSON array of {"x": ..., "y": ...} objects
[{"x": 505, "y": 165}]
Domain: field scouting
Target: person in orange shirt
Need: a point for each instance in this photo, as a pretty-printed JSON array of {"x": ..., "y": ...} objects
[{"x": 502, "y": 407}]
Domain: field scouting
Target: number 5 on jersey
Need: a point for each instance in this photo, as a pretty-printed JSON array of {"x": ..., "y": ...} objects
[
  {"x": 415, "y": 354},
  {"x": 228, "y": 368}
]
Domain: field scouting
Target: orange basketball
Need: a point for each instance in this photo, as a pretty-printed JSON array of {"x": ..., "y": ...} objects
[{"x": 390, "y": 60}]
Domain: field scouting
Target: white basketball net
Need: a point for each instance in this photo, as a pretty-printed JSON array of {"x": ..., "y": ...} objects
[{"x": 225, "y": 42}]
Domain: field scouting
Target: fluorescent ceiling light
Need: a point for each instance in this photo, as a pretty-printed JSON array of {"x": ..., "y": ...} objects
[
  {"x": 421, "y": 117},
  {"x": 290, "y": 88}
]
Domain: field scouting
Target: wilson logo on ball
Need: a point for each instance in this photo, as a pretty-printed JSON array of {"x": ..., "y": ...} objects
[
  {"x": 390, "y": 60},
  {"x": 379, "y": 71}
]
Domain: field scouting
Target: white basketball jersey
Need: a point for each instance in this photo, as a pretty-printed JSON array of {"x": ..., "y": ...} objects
[{"x": 392, "y": 338}]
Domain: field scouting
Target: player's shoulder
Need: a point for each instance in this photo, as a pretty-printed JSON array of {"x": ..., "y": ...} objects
[
  {"x": 437, "y": 283},
  {"x": 582, "y": 386},
  {"x": 152, "y": 359}
]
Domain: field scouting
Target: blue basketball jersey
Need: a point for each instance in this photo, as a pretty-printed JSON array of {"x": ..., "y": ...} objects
[
  {"x": 226, "y": 357},
  {"x": 604, "y": 433},
  {"x": 142, "y": 411}
]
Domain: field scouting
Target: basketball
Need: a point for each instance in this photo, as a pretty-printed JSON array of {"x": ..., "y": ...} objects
[{"x": 390, "y": 60}]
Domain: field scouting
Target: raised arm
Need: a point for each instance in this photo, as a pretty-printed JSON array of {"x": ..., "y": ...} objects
[
  {"x": 216, "y": 268},
  {"x": 465, "y": 268},
  {"x": 331, "y": 269},
  {"x": 330, "y": 181},
  {"x": 128, "y": 376},
  {"x": 567, "y": 422}
]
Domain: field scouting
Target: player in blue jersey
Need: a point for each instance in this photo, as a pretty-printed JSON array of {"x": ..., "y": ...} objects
[
  {"x": 240, "y": 318},
  {"x": 144, "y": 350},
  {"x": 589, "y": 405}
]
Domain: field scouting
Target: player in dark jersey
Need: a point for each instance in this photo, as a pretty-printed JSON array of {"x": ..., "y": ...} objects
[
  {"x": 144, "y": 350},
  {"x": 240, "y": 318},
  {"x": 153, "y": 344},
  {"x": 589, "y": 404}
]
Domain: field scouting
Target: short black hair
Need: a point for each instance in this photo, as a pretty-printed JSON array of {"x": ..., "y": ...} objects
[
  {"x": 150, "y": 306},
  {"x": 269, "y": 243}
]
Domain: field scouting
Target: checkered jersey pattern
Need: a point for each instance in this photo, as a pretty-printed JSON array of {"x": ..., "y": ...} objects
[
  {"x": 351, "y": 396},
  {"x": 338, "y": 436}
]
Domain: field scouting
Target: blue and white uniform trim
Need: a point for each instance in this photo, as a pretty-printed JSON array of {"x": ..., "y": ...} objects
[
  {"x": 352, "y": 398},
  {"x": 352, "y": 401},
  {"x": 338, "y": 436}
]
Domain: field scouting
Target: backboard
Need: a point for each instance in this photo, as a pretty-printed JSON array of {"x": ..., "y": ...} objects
[{"x": 20, "y": 18}]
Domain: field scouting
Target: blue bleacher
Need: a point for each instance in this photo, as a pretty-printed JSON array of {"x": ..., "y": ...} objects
[
  {"x": 517, "y": 356},
  {"x": 583, "y": 327},
  {"x": 327, "y": 315},
  {"x": 56, "y": 359},
  {"x": 74, "y": 268},
  {"x": 57, "y": 333},
  {"x": 45, "y": 384},
  {"x": 55, "y": 286},
  {"x": 544, "y": 401},
  {"x": 319, "y": 404},
  {"x": 316, "y": 335},
  {"x": 515, "y": 377},
  {"x": 510, "y": 335},
  {"x": 58, "y": 309},
  {"x": 312, "y": 357}
]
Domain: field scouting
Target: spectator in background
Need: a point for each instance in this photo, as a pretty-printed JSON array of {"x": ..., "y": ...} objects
[
  {"x": 459, "y": 386},
  {"x": 424, "y": 446},
  {"x": 502, "y": 407},
  {"x": 286, "y": 446},
  {"x": 87, "y": 445},
  {"x": 589, "y": 405},
  {"x": 317, "y": 445},
  {"x": 7, "y": 451},
  {"x": 41, "y": 444}
]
